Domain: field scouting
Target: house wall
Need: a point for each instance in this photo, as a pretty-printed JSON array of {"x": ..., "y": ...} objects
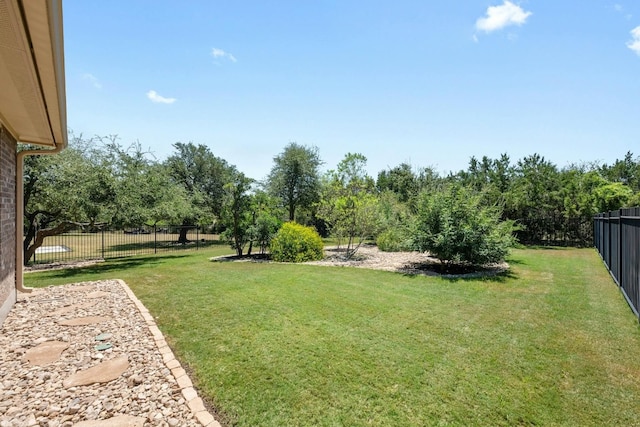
[{"x": 8, "y": 158}]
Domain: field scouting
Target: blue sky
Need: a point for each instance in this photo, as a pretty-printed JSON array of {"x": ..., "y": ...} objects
[{"x": 431, "y": 83}]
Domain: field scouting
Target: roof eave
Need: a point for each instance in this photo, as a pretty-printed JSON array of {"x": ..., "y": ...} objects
[
  {"x": 33, "y": 108},
  {"x": 48, "y": 48}
]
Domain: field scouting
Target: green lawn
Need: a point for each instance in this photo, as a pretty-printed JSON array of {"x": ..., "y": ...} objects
[
  {"x": 116, "y": 244},
  {"x": 551, "y": 343}
]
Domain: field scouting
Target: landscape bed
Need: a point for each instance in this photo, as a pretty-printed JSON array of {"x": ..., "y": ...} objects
[{"x": 549, "y": 342}]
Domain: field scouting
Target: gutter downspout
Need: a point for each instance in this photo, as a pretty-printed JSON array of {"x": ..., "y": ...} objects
[{"x": 20, "y": 212}]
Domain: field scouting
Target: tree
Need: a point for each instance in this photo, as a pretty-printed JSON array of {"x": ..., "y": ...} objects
[
  {"x": 145, "y": 194},
  {"x": 401, "y": 180},
  {"x": 349, "y": 204},
  {"x": 295, "y": 178},
  {"x": 534, "y": 199},
  {"x": 237, "y": 212},
  {"x": 491, "y": 177},
  {"x": 455, "y": 226},
  {"x": 265, "y": 220},
  {"x": 73, "y": 188},
  {"x": 394, "y": 219},
  {"x": 611, "y": 196},
  {"x": 626, "y": 171},
  {"x": 203, "y": 177}
]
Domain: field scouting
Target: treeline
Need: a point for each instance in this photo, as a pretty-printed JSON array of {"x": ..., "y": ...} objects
[{"x": 98, "y": 182}]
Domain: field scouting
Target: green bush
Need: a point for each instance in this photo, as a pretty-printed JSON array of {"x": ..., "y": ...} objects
[
  {"x": 394, "y": 219},
  {"x": 393, "y": 240},
  {"x": 296, "y": 243},
  {"x": 454, "y": 226}
]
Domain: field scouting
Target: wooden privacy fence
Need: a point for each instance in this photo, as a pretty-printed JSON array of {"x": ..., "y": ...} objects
[{"x": 616, "y": 236}]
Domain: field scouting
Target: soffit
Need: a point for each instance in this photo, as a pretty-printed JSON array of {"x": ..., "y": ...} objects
[{"x": 32, "y": 95}]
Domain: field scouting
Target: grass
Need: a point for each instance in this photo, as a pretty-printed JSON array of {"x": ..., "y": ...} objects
[
  {"x": 551, "y": 343},
  {"x": 114, "y": 244}
]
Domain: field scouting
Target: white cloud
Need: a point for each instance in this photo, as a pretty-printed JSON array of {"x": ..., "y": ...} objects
[
  {"x": 634, "y": 43},
  {"x": 498, "y": 17},
  {"x": 92, "y": 79},
  {"x": 155, "y": 97},
  {"x": 219, "y": 53},
  {"x": 620, "y": 9}
]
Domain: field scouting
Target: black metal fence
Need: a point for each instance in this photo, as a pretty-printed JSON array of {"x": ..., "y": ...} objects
[
  {"x": 617, "y": 238},
  {"x": 79, "y": 244}
]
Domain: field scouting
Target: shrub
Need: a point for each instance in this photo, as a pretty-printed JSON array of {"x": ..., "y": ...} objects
[
  {"x": 296, "y": 243},
  {"x": 264, "y": 230},
  {"x": 393, "y": 240},
  {"x": 454, "y": 226},
  {"x": 394, "y": 219}
]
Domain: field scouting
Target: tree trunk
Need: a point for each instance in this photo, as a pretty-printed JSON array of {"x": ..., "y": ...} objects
[
  {"x": 183, "y": 233},
  {"x": 40, "y": 235},
  {"x": 292, "y": 211}
]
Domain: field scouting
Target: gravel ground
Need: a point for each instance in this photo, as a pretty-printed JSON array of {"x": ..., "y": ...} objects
[
  {"x": 369, "y": 256},
  {"x": 36, "y": 396}
]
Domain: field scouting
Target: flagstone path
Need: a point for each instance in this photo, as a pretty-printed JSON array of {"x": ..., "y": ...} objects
[{"x": 91, "y": 355}]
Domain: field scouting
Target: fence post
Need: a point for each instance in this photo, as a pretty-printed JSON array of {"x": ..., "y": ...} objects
[
  {"x": 197, "y": 237},
  {"x": 102, "y": 242},
  {"x": 155, "y": 239},
  {"x": 609, "y": 241},
  {"x": 620, "y": 247}
]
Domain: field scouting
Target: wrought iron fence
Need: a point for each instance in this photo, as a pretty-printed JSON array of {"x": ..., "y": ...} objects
[
  {"x": 79, "y": 244},
  {"x": 617, "y": 238}
]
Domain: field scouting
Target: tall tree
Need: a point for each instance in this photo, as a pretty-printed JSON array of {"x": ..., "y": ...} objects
[
  {"x": 295, "y": 177},
  {"x": 401, "y": 180},
  {"x": 203, "y": 176},
  {"x": 625, "y": 171},
  {"x": 534, "y": 200},
  {"x": 73, "y": 188}
]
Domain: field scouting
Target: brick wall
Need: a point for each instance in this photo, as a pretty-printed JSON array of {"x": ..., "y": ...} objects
[{"x": 7, "y": 222}]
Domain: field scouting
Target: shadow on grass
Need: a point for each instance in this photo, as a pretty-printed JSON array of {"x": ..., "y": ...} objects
[
  {"x": 501, "y": 277},
  {"x": 461, "y": 273},
  {"x": 471, "y": 277},
  {"x": 113, "y": 264},
  {"x": 161, "y": 246},
  {"x": 544, "y": 248},
  {"x": 512, "y": 261}
]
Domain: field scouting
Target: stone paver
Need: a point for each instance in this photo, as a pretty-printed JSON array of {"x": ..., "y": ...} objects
[
  {"x": 119, "y": 421},
  {"x": 101, "y": 373},
  {"x": 82, "y": 321},
  {"x": 45, "y": 353},
  {"x": 73, "y": 308},
  {"x": 140, "y": 385},
  {"x": 98, "y": 294}
]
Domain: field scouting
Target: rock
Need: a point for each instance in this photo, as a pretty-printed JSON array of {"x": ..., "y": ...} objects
[
  {"x": 83, "y": 321},
  {"x": 98, "y": 294},
  {"x": 74, "y": 307},
  {"x": 146, "y": 391},
  {"x": 45, "y": 353},
  {"x": 31, "y": 421},
  {"x": 101, "y": 373},
  {"x": 119, "y": 421}
]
